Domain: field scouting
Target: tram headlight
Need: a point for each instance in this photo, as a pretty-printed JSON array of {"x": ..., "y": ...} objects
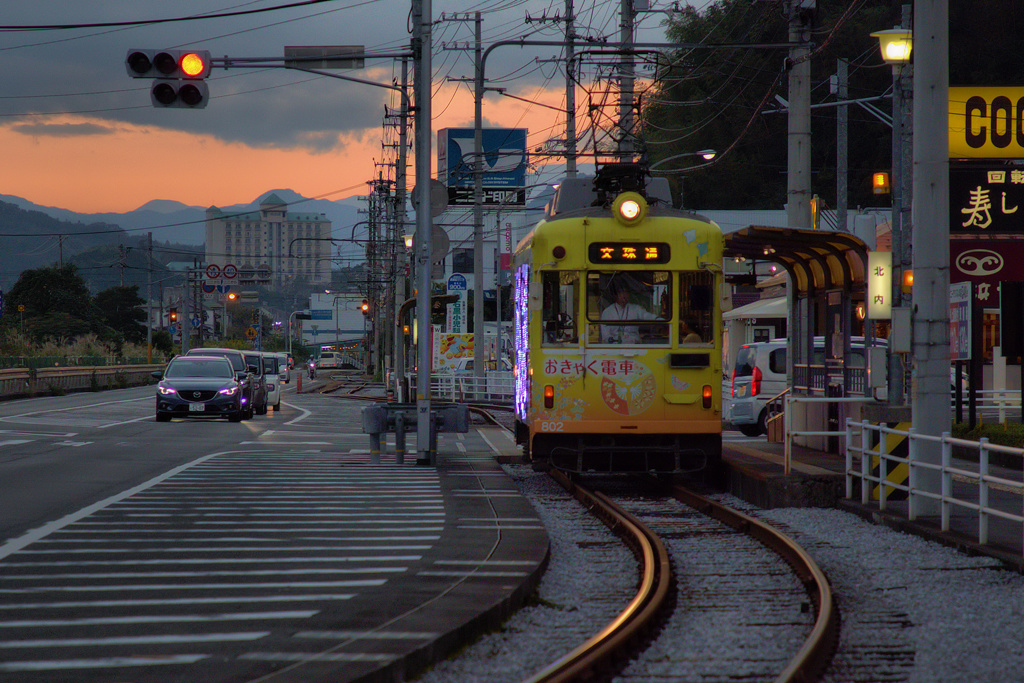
[
  {"x": 706, "y": 396},
  {"x": 629, "y": 208}
]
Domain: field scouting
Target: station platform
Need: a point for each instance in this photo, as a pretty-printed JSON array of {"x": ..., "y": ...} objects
[{"x": 754, "y": 470}]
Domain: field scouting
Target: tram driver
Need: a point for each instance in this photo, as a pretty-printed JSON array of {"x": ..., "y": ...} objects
[{"x": 621, "y": 310}]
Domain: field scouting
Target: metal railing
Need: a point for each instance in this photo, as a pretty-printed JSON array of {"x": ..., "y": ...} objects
[
  {"x": 999, "y": 405},
  {"x": 44, "y": 381},
  {"x": 493, "y": 386},
  {"x": 858, "y": 435}
]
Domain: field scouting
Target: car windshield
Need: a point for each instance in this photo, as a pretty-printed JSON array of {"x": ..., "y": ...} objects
[
  {"x": 199, "y": 368},
  {"x": 235, "y": 357}
]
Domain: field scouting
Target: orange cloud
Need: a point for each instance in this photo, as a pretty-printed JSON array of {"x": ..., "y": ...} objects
[{"x": 93, "y": 165}]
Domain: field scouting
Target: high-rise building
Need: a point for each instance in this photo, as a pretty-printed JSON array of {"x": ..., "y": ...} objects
[{"x": 258, "y": 243}]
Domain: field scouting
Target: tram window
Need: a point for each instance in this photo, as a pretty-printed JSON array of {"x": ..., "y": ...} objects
[
  {"x": 696, "y": 308},
  {"x": 629, "y": 307},
  {"x": 561, "y": 294}
]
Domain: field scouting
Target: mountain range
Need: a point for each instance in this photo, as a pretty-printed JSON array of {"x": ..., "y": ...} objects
[
  {"x": 33, "y": 236},
  {"x": 172, "y": 221}
]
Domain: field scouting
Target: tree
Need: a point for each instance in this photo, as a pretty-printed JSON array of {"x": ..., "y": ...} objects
[
  {"x": 120, "y": 308},
  {"x": 57, "y": 302},
  {"x": 717, "y": 98}
]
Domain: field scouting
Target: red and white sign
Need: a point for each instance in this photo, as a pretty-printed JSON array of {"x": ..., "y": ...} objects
[{"x": 213, "y": 271}]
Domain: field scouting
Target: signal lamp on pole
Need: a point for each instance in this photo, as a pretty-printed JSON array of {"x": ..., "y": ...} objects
[
  {"x": 179, "y": 75},
  {"x": 880, "y": 183}
]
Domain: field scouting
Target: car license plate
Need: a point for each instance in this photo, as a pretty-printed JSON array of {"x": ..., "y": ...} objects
[
  {"x": 196, "y": 407},
  {"x": 741, "y": 391}
]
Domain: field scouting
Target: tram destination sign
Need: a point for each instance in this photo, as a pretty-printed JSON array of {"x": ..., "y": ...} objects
[{"x": 629, "y": 252}]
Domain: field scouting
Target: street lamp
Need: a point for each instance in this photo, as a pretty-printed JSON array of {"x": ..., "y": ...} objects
[
  {"x": 705, "y": 154},
  {"x": 896, "y": 45},
  {"x": 297, "y": 315}
]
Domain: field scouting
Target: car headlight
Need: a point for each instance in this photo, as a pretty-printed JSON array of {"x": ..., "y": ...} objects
[
  {"x": 166, "y": 391},
  {"x": 229, "y": 391}
]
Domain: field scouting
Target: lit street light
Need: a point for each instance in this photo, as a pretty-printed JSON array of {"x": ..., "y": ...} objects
[{"x": 896, "y": 45}]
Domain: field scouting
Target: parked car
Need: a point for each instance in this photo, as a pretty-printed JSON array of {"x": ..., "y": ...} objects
[
  {"x": 759, "y": 375},
  {"x": 199, "y": 386},
  {"x": 272, "y": 369},
  {"x": 245, "y": 375}
]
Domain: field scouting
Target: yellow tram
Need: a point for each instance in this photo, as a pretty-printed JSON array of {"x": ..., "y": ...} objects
[{"x": 618, "y": 332}]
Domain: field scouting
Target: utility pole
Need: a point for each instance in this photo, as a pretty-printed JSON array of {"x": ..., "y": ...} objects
[
  {"x": 570, "y": 105},
  {"x": 626, "y": 72},
  {"x": 421, "y": 18},
  {"x": 478, "y": 208},
  {"x": 798, "y": 184},
  {"x": 400, "y": 219},
  {"x": 149, "y": 301},
  {"x": 842, "y": 144},
  {"x": 930, "y": 317}
]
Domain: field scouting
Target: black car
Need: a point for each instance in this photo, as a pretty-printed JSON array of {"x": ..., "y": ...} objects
[
  {"x": 247, "y": 374},
  {"x": 199, "y": 386}
]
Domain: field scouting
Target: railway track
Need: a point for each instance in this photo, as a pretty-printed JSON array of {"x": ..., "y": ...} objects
[
  {"x": 663, "y": 640},
  {"x": 794, "y": 604}
]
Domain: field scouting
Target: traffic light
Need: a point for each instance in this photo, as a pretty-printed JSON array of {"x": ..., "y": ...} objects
[
  {"x": 173, "y": 315},
  {"x": 366, "y": 307},
  {"x": 179, "y": 75}
]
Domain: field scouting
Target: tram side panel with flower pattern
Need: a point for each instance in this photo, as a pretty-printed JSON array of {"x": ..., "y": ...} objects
[{"x": 618, "y": 330}]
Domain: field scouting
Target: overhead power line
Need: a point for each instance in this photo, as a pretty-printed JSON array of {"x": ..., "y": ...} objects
[{"x": 145, "y": 22}]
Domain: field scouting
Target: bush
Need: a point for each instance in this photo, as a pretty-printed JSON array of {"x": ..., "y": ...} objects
[{"x": 1005, "y": 434}]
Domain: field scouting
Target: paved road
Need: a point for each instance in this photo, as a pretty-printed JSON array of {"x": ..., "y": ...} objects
[{"x": 140, "y": 550}]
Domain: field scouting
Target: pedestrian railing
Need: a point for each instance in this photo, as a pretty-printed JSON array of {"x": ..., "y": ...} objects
[{"x": 875, "y": 465}]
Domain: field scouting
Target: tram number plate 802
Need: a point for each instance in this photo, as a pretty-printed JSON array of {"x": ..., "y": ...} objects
[{"x": 550, "y": 426}]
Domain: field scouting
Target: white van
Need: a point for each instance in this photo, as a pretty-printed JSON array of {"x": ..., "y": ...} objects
[
  {"x": 272, "y": 370},
  {"x": 283, "y": 366},
  {"x": 759, "y": 375},
  {"x": 328, "y": 360}
]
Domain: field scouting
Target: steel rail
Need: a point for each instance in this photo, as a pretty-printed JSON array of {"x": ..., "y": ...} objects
[
  {"x": 601, "y": 651},
  {"x": 816, "y": 652}
]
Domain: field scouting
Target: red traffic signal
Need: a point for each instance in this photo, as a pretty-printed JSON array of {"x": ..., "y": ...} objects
[
  {"x": 191, "y": 64},
  {"x": 366, "y": 307},
  {"x": 179, "y": 75},
  {"x": 173, "y": 315}
]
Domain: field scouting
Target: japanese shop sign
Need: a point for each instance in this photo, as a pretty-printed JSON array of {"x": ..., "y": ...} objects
[
  {"x": 985, "y": 263},
  {"x": 960, "y": 321},
  {"x": 986, "y": 199},
  {"x": 879, "y": 279}
]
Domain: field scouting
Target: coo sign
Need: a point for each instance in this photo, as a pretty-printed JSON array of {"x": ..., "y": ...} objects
[{"x": 986, "y": 122}]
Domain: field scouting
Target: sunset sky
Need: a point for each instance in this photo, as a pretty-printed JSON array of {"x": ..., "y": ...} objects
[{"x": 79, "y": 134}]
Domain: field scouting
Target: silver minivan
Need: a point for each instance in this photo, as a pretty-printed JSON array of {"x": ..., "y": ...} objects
[{"x": 758, "y": 375}]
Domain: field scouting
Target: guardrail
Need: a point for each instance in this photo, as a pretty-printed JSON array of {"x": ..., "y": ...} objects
[
  {"x": 20, "y": 382},
  {"x": 493, "y": 386},
  {"x": 999, "y": 404},
  {"x": 977, "y": 474}
]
